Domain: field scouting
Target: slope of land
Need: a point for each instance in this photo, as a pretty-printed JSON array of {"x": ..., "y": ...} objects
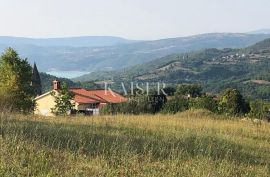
[
  {"x": 215, "y": 69},
  {"x": 193, "y": 143}
]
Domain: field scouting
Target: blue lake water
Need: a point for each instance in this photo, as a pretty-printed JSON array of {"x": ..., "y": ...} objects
[{"x": 67, "y": 74}]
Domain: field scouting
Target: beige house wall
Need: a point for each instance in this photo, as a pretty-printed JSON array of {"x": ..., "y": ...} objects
[{"x": 44, "y": 105}]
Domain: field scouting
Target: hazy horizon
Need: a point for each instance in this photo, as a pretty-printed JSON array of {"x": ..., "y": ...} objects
[{"x": 138, "y": 20}]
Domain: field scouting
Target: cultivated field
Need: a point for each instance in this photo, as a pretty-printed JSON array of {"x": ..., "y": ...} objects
[{"x": 193, "y": 143}]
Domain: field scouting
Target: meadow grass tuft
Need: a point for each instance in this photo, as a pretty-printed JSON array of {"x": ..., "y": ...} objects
[{"x": 193, "y": 143}]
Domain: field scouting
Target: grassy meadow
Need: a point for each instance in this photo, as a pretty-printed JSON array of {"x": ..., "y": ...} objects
[{"x": 192, "y": 143}]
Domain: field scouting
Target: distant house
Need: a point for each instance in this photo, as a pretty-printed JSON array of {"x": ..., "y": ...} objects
[{"x": 88, "y": 102}]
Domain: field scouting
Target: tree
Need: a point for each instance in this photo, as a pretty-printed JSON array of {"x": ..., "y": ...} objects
[
  {"x": 259, "y": 109},
  {"x": 169, "y": 91},
  {"x": 189, "y": 89},
  {"x": 138, "y": 104},
  {"x": 175, "y": 104},
  {"x": 233, "y": 103},
  {"x": 36, "y": 82},
  {"x": 15, "y": 82},
  {"x": 205, "y": 102},
  {"x": 63, "y": 104}
]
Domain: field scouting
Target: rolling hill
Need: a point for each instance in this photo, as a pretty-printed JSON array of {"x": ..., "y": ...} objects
[
  {"x": 83, "y": 41},
  {"x": 69, "y": 58},
  {"x": 216, "y": 69}
]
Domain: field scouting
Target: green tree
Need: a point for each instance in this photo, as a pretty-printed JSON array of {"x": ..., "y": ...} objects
[
  {"x": 205, "y": 102},
  {"x": 63, "y": 98},
  {"x": 138, "y": 104},
  {"x": 15, "y": 82},
  {"x": 189, "y": 89},
  {"x": 259, "y": 109},
  {"x": 233, "y": 103},
  {"x": 169, "y": 91},
  {"x": 36, "y": 81},
  {"x": 175, "y": 104}
]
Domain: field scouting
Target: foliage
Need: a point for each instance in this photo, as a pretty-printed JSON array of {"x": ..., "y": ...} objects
[
  {"x": 15, "y": 82},
  {"x": 233, "y": 103},
  {"x": 175, "y": 104},
  {"x": 259, "y": 109},
  {"x": 46, "y": 81},
  {"x": 63, "y": 105},
  {"x": 139, "y": 104},
  {"x": 36, "y": 82},
  {"x": 170, "y": 91},
  {"x": 205, "y": 102},
  {"x": 189, "y": 89}
]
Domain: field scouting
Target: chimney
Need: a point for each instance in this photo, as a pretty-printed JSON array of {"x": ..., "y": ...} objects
[{"x": 56, "y": 85}]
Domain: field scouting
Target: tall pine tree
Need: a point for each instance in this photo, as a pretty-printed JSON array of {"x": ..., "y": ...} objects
[{"x": 36, "y": 82}]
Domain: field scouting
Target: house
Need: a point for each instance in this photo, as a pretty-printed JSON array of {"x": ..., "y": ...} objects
[{"x": 88, "y": 102}]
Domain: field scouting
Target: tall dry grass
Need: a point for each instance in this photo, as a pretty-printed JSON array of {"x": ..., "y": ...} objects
[{"x": 193, "y": 143}]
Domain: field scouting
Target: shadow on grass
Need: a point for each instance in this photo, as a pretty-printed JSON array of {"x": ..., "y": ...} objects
[{"x": 109, "y": 141}]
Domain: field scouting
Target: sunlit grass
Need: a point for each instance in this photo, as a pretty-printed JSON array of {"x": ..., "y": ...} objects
[{"x": 193, "y": 143}]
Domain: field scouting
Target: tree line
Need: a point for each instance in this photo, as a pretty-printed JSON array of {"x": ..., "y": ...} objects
[
  {"x": 189, "y": 96},
  {"x": 20, "y": 84}
]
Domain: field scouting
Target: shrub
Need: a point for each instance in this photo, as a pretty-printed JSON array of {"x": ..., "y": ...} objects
[
  {"x": 189, "y": 89},
  {"x": 175, "y": 104},
  {"x": 137, "y": 105},
  {"x": 259, "y": 109},
  {"x": 233, "y": 103},
  {"x": 205, "y": 102}
]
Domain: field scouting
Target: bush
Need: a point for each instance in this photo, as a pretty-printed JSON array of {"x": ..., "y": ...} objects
[
  {"x": 232, "y": 103},
  {"x": 205, "y": 102},
  {"x": 189, "y": 89},
  {"x": 259, "y": 109},
  {"x": 175, "y": 104},
  {"x": 137, "y": 105}
]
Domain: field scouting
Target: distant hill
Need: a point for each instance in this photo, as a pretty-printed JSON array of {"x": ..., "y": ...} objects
[
  {"x": 121, "y": 56},
  {"x": 84, "y": 41},
  {"x": 46, "y": 82},
  {"x": 247, "y": 69},
  {"x": 261, "y": 31}
]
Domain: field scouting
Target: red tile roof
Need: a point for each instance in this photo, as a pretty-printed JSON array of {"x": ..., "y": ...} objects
[
  {"x": 108, "y": 95},
  {"x": 84, "y": 100},
  {"x": 96, "y": 96}
]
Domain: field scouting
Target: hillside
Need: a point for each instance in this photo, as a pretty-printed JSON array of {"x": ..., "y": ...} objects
[
  {"x": 216, "y": 69},
  {"x": 66, "y": 58},
  {"x": 192, "y": 143},
  {"x": 46, "y": 82}
]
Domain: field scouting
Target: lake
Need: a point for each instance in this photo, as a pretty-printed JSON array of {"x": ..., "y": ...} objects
[{"x": 67, "y": 74}]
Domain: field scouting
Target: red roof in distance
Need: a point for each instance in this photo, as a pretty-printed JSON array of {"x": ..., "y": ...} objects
[{"x": 95, "y": 96}]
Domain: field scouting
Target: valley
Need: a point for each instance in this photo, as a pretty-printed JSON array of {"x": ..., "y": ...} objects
[{"x": 215, "y": 69}]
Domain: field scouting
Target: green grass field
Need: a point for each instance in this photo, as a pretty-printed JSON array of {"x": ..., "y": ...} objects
[{"x": 193, "y": 143}]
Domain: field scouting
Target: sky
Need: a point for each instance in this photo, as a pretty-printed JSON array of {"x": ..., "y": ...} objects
[{"x": 132, "y": 19}]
